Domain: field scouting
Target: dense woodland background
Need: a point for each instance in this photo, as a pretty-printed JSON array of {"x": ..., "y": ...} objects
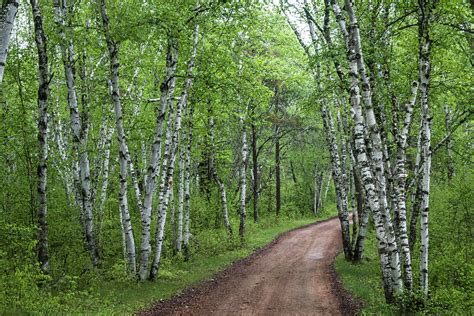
[{"x": 141, "y": 141}]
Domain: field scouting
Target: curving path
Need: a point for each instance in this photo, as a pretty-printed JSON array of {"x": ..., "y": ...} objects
[{"x": 291, "y": 276}]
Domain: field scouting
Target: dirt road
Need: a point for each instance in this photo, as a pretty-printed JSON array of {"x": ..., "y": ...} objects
[{"x": 292, "y": 276}]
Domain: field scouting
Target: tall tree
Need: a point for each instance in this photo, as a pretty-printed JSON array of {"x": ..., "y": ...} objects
[
  {"x": 174, "y": 141},
  {"x": 79, "y": 128},
  {"x": 44, "y": 80},
  {"x": 424, "y": 43},
  {"x": 123, "y": 152}
]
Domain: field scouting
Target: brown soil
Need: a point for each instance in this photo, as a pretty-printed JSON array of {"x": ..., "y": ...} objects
[{"x": 293, "y": 275}]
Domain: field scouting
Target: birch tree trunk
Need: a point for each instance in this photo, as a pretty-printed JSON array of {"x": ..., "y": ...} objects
[
  {"x": 277, "y": 157},
  {"x": 338, "y": 178},
  {"x": 79, "y": 132},
  {"x": 7, "y": 20},
  {"x": 361, "y": 152},
  {"x": 255, "y": 173},
  {"x": 187, "y": 193},
  {"x": 173, "y": 220},
  {"x": 166, "y": 185},
  {"x": 179, "y": 238},
  {"x": 167, "y": 90},
  {"x": 374, "y": 181},
  {"x": 416, "y": 195},
  {"x": 164, "y": 188},
  {"x": 220, "y": 183},
  {"x": 377, "y": 152},
  {"x": 318, "y": 188},
  {"x": 400, "y": 190},
  {"x": 328, "y": 184},
  {"x": 43, "y": 93},
  {"x": 425, "y": 10},
  {"x": 105, "y": 176},
  {"x": 123, "y": 148},
  {"x": 61, "y": 144},
  {"x": 243, "y": 179}
]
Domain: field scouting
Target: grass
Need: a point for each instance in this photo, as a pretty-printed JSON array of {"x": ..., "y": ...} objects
[
  {"x": 121, "y": 296},
  {"x": 364, "y": 282}
]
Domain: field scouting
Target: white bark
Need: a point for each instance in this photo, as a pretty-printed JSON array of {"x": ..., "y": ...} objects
[
  {"x": 361, "y": 151},
  {"x": 187, "y": 193},
  {"x": 7, "y": 19},
  {"x": 61, "y": 145},
  {"x": 43, "y": 92},
  {"x": 400, "y": 190},
  {"x": 167, "y": 90},
  {"x": 179, "y": 237},
  {"x": 173, "y": 219},
  {"x": 339, "y": 181},
  {"x": 123, "y": 148},
  {"x": 318, "y": 190},
  {"x": 415, "y": 194},
  {"x": 374, "y": 180},
  {"x": 424, "y": 75},
  {"x": 220, "y": 183},
  {"x": 376, "y": 153},
  {"x": 105, "y": 173},
  {"x": 163, "y": 190},
  {"x": 243, "y": 179},
  {"x": 79, "y": 132},
  {"x": 328, "y": 184},
  {"x": 167, "y": 181}
]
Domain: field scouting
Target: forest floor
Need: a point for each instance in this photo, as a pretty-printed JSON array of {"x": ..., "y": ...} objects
[{"x": 294, "y": 275}]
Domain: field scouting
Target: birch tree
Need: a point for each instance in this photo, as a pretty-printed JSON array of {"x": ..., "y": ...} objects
[
  {"x": 400, "y": 190},
  {"x": 168, "y": 168},
  {"x": 375, "y": 195},
  {"x": 243, "y": 179},
  {"x": 341, "y": 194},
  {"x": 167, "y": 91},
  {"x": 44, "y": 80},
  {"x": 79, "y": 130},
  {"x": 7, "y": 19},
  {"x": 424, "y": 40},
  {"x": 220, "y": 183},
  {"x": 123, "y": 151},
  {"x": 187, "y": 184}
]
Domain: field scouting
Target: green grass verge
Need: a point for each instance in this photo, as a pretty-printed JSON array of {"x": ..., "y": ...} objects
[
  {"x": 364, "y": 282},
  {"x": 128, "y": 296}
]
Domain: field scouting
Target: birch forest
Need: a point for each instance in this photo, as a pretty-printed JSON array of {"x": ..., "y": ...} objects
[{"x": 147, "y": 144}]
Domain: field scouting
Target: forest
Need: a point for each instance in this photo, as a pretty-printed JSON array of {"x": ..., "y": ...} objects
[{"x": 147, "y": 145}]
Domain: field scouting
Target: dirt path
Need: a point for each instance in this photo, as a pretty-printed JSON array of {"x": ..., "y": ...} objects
[{"x": 291, "y": 276}]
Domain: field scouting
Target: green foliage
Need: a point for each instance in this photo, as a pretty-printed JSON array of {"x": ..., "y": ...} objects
[{"x": 451, "y": 240}]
